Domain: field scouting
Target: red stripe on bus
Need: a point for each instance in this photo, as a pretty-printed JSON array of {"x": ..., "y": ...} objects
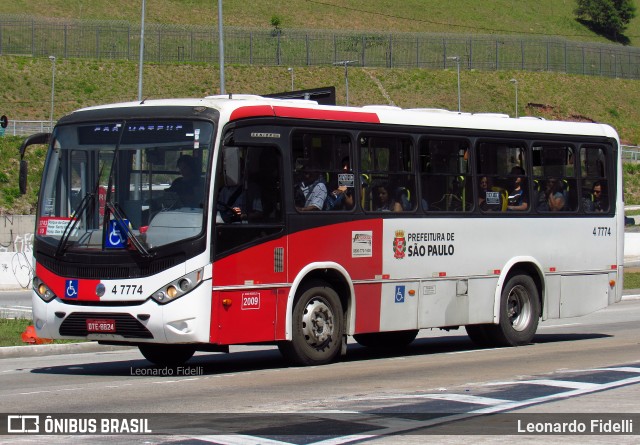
[
  {"x": 251, "y": 111},
  {"x": 326, "y": 115},
  {"x": 86, "y": 290}
]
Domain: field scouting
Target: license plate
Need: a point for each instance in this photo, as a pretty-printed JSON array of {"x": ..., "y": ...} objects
[{"x": 101, "y": 325}]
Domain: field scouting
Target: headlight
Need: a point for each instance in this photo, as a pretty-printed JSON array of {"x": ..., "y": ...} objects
[
  {"x": 178, "y": 288},
  {"x": 43, "y": 290}
]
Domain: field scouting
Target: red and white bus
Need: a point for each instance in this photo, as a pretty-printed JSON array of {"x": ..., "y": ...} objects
[{"x": 299, "y": 225}]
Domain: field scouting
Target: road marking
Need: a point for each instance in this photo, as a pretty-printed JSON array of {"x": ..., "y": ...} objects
[
  {"x": 561, "y": 384},
  {"x": 387, "y": 425}
]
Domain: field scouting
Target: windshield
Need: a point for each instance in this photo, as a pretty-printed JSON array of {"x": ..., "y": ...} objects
[{"x": 130, "y": 185}]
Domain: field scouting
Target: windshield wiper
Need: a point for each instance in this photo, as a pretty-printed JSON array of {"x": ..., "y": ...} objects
[
  {"x": 76, "y": 215},
  {"x": 120, "y": 220}
]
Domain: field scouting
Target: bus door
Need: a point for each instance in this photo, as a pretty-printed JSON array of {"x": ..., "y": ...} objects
[{"x": 248, "y": 245}]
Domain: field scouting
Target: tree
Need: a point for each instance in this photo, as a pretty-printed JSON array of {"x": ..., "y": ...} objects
[
  {"x": 610, "y": 17},
  {"x": 276, "y": 21}
]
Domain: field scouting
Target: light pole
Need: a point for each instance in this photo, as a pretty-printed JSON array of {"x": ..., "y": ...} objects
[
  {"x": 291, "y": 71},
  {"x": 141, "y": 61},
  {"x": 53, "y": 87},
  {"x": 515, "y": 83},
  {"x": 346, "y": 74},
  {"x": 221, "y": 48},
  {"x": 457, "y": 59}
]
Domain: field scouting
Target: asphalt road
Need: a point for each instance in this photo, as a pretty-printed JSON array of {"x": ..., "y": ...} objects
[{"x": 585, "y": 366}]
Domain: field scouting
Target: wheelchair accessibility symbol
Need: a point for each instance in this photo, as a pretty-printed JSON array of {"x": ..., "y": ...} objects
[
  {"x": 116, "y": 239},
  {"x": 71, "y": 288},
  {"x": 399, "y": 294}
]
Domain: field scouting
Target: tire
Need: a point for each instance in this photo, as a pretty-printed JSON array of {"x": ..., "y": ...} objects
[
  {"x": 481, "y": 334},
  {"x": 167, "y": 355},
  {"x": 519, "y": 312},
  {"x": 386, "y": 340},
  {"x": 317, "y": 327}
]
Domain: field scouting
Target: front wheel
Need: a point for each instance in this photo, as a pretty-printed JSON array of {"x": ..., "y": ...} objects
[
  {"x": 519, "y": 312},
  {"x": 167, "y": 355},
  {"x": 317, "y": 327}
]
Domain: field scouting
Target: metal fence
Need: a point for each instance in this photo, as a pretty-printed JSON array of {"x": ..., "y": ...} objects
[
  {"x": 26, "y": 128},
  {"x": 630, "y": 153},
  {"x": 37, "y": 37}
]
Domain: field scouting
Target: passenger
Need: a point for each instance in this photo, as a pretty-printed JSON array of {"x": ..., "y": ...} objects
[
  {"x": 517, "y": 196},
  {"x": 385, "y": 201},
  {"x": 342, "y": 197},
  {"x": 488, "y": 199},
  {"x": 188, "y": 187},
  {"x": 233, "y": 207},
  {"x": 551, "y": 199},
  {"x": 311, "y": 192},
  {"x": 598, "y": 202}
]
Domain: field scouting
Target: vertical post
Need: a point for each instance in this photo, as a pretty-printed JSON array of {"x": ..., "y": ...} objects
[
  {"x": 457, "y": 60},
  {"x": 138, "y": 178},
  {"x": 291, "y": 71},
  {"x": 221, "y": 48},
  {"x": 141, "y": 56},
  {"x": 346, "y": 74},
  {"x": 53, "y": 88},
  {"x": 515, "y": 83}
]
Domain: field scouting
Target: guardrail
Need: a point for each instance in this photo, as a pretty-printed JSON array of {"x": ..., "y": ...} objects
[
  {"x": 630, "y": 153},
  {"x": 26, "y": 128}
]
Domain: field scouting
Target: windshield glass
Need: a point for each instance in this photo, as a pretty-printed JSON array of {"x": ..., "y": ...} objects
[{"x": 130, "y": 185}]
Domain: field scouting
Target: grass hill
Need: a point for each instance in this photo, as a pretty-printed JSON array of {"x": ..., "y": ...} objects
[{"x": 533, "y": 18}]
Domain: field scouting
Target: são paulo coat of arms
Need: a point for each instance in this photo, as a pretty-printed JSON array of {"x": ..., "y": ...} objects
[{"x": 399, "y": 245}]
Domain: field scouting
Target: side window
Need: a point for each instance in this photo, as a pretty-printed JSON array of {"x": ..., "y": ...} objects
[
  {"x": 388, "y": 182},
  {"x": 444, "y": 175},
  {"x": 596, "y": 190},
  {"x": 554, "y": 176},
  {"x": 323, "y": 176},
  {"x": 249, "y": 197},
  {"x": 250, "y": 186},
  {"x": 502, "y": 180}
]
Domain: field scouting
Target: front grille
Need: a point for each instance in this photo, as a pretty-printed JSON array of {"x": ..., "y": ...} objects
[{"x": 126, "y": 325}]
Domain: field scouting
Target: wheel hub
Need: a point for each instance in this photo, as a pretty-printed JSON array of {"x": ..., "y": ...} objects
[
  {"x": 519, "y": 308},
  {"x": 317, "y": 323}
]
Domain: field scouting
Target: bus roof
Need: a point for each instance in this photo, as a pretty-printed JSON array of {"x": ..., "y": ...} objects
[{"x": 235, "y": 107}]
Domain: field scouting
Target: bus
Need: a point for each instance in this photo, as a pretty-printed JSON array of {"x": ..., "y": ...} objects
[{"x": 186, "y": 225}]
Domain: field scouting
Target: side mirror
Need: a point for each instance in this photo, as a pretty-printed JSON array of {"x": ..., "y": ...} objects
[
  {"x": 34, "y": 139},
  {"x": 22, "y": 179}
]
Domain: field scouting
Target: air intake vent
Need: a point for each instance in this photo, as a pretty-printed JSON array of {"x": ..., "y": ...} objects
[{"x": 278, "y": 259}]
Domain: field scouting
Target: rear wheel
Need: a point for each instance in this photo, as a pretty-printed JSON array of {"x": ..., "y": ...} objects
[
  {"x": 386, "y": 340},
  {"x": 519, "y": 312},
  {"x": 167, "y": 355},
  {"x": 481, "y": 334},
  {"x": 317, "y": 327}
]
